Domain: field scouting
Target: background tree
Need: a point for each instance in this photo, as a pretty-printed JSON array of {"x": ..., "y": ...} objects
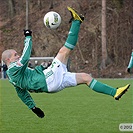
[
  {"x": 104, "y": 47},
  {"x": 27, "y": 14},
  {"x": 11, "y": 7}
]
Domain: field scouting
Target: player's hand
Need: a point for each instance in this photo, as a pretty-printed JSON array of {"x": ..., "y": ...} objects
[
  {"x": 38, "y": 112},
  {"x": 27, "y": 33},
  {"x": 128, "y": 70}
]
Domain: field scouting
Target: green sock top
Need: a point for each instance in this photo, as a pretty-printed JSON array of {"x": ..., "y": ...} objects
[{"x": 73, "y": 35}]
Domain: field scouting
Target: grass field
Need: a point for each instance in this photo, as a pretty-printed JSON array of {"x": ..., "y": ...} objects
[{"x": 73, "y": 110}]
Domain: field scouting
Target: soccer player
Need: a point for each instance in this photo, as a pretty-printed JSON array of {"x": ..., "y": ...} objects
[
  {"x": 56, "y": 77},
  {"x": 130, "y": 65}
]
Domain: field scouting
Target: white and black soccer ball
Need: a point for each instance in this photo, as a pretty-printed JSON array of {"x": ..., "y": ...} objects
[{"x": 52, "y": 20}]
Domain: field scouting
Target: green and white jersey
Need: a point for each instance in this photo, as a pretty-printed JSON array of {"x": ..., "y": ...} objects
[{"x": 26, "y": 79}]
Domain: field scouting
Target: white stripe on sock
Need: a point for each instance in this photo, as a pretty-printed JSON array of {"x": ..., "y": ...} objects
[{"x": 93, "y": 84}]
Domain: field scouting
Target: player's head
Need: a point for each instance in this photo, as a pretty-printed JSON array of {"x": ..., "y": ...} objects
[{"x": 9, "y": 56}]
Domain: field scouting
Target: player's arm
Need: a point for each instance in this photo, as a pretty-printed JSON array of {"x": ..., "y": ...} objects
[
  {"x": 27, "y": 47},
  {"x": 27, "y": 100}
]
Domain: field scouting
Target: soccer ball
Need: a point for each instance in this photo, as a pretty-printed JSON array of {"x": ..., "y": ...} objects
[{"x": 52, "y": 20}]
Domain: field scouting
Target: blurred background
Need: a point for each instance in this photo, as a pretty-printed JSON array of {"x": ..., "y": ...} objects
[{"x": 105, "y": 40}]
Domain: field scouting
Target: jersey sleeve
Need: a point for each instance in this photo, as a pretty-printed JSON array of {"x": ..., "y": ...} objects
[
  {"x": 25, "y": 97},
  {"x": 26, "y": 51}
]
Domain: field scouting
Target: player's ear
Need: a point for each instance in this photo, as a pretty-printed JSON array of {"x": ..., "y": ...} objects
[{"x": 7, "y": 60}]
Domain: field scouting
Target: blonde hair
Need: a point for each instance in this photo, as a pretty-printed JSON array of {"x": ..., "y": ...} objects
[{"x": 6, "y": 54}]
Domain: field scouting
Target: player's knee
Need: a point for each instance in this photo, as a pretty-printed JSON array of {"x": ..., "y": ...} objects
[
  {"x": 83, "y": 78},
  {"x": 64, "y": 51},
  {"x": 87, "y": 78}
]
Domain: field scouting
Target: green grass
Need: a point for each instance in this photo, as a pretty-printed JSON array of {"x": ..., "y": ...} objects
[{"x": 73, "y": 110}]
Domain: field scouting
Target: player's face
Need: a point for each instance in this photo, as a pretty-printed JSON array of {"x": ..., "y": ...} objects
[{"x": 14, "y": 56}]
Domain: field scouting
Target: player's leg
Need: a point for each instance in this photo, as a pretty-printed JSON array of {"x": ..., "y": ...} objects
[
  {"x": 72, "y": 38},
  {"x": 100, "y": 87}
]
